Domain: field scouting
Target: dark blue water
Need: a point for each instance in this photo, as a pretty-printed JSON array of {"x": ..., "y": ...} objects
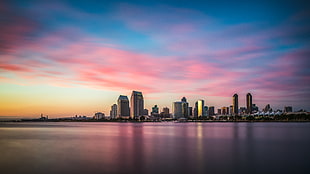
[{"x": 154, "y": 148}]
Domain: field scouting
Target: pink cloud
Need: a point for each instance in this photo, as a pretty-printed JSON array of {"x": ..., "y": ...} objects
[
  {"x": 14, "y": 68},
  {"x": 97, "y": 65}
]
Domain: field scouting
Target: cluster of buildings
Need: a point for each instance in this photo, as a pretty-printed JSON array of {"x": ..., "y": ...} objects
[
  {"x": 122, "y": 109},
  {"x": 134, "y": 109},
  {"x": 181, "y": 109}
]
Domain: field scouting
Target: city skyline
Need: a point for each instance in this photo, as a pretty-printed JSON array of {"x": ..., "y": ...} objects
[{"x": 65, "y": 58}]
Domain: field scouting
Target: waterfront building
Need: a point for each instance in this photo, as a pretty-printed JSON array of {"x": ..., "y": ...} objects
[
  {"x": 195, "y": 112},
  {"x": 211, "y": 111},
  {"x": 254, "y": 108},
  {"x": 199, "y": 105},
  {"x": 180, "y": 109},
  {"x": 235, "y": 104},
  {"x": 113, "y": 112},
  {"x": 288, "y": 109},
  {"x": 231, "y": 110},
  {"x": 155, "y": 110},
  {"x": 165, "y": 113},
  {"x": 267, "y": 108},
  {"x": 243, "y": 110},
  {"x": 219, "y": 111},
  {"x": 98, "y": 116},
  {"x": 190, "y": 111},
  {"x": 136, "y": 104},
  {"x": 249, "y": 103},
  {"x": 227, "y": 110},
  {"x": 166, "y": 110},
  {"x": 123, "y": 106},
  {"x": 177, "y": 110},
  {"x": 224, "y": 110},
  {"x": 184, "y": 107},
  {"x": 206, "y": 111},
  {"x": 145, "y": 112}
]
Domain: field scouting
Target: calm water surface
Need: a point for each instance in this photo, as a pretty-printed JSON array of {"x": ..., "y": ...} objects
[{"x": 154, "y": 148}]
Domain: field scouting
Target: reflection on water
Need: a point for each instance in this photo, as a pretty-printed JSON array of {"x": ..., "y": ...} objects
[{"x": 154, "y": 147}]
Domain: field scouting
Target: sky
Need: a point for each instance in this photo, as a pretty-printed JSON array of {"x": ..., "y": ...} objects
[{"x": 65, "y": 58}]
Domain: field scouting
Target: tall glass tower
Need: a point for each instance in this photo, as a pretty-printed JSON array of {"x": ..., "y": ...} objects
[
  {"x": 199, "y": 106},
  {"x": 249, "y": 103},
  {"x": 123, "y": 106},
  {"x": 136, "y": 104},
  {"x": 235, "y": 104}
]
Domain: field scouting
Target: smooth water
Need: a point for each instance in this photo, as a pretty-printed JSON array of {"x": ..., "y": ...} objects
[{"x": 79, "y": 147}]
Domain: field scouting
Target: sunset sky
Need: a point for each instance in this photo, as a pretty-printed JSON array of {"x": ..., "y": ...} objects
[{"x": 63, "y": 58}]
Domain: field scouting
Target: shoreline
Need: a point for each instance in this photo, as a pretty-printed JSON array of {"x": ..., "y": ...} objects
[{"x": 150, "y": 121}]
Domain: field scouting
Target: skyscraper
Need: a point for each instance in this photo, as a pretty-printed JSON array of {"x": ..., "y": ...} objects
[
  {"x": 184, "y": 108},
  {"x": 235, "y": 104},
  {"x": 177, "y": 109},
  {"x": 113, "y": 112},
  {"x": 211, "y": 111},
  {"x": 219, "y": 112},
  {"x": 224, "y": 110},
  {"x": 136, "y": 104},
  {"x": 206, "y": 111},
  {"x": 123, "y": 106},
  {"x": 155, "y": 110},
  {"x": 190, "y": 111},
  {"x": 199, "y": 105},
  {"x": 165, "y": 112},
  {"x": 180, "y": 109},
  {"x": 249, "y": 103}
]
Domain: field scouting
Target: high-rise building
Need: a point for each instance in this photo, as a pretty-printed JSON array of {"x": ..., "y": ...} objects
[
  {"x": 190, "y": 111},
  {"x": 206, "y": 111},
  {"x": 184, "y": 108},
  {"x": 235, "y": 104},
  {"x": 227, "y": 110},
  {"x": 288, "y": 109},
  {"x": 177, "y": 110},
  {"x": 249, "y": 103},
  {"x": 267, "y": 108},
  {"x": 195, "y": 111},
  {"x": 211, "y": 111},
  {"x": 155, "y": 110},
  {"x": 180, "y": 109},
  {"x": 166, "y": 110},
  {"x": 136, "y": 104},
  {"x": 199, "y": 105},
  {"x": 113, "y": 112},
  {"x": 231, "y": 110},
  {"x": 123, "y": 106},
  {"x": 165, "y": 113},
  {"x": 219, "y": 112},
  {"x": 224, "y": 110}
]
